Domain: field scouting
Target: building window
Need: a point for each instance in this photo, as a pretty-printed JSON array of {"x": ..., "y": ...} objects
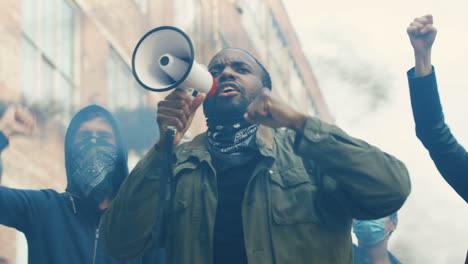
[
  {"x": 188, "y": 17},
  {"x": 257, "y": 11},
  {"x": 185, "y": 14},
  {"x": 276, "y": 44},
  {"x": 142, "y": 5},
  {"x": 48, "y": 35},
  {"x": 254, "y": 21},
  {"x": 297, "y": 88},
  {"x": 311, "y": 108},
  {"x": 123, "y": 91},
  {"x": 223, "y": 40}
]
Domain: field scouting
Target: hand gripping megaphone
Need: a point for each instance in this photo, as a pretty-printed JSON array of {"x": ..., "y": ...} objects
[{"x": 164, "y": 59}]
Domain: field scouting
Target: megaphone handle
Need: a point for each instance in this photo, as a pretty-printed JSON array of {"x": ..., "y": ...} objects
[
  {"x": 166, "y": 185},
  {"x": 173, "y": 129}
]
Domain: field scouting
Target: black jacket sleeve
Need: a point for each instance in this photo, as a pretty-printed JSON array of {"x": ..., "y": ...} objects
[
  {"x": 18, "y": 208},
  {"x": 448, "y": 155}
]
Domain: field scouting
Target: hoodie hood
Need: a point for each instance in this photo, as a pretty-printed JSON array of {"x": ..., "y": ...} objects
[{"x": 86, "y": 114}]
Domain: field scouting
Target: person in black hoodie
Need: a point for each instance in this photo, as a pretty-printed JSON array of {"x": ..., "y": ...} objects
[{"x": 64, "y": 227}]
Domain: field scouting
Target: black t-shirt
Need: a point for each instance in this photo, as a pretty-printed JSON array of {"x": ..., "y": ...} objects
[{"x": 229, "y": 247}]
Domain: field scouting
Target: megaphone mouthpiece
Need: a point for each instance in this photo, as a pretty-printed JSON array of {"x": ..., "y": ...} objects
[
  {"x": 164, "y": 61},
  {"x": 173, "y": 66}
]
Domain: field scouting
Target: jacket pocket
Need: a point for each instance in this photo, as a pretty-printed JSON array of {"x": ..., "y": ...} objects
[
  {"x": 292, "y": 197},
  {"x": 184, "y": 182},
  {"x": 180, "y": 200}
]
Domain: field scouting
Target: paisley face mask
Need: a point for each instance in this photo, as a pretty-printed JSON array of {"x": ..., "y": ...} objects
[{"x": 94, "y": 164}]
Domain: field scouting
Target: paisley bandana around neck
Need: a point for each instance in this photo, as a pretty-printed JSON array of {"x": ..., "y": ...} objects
[
  {"x": 232, "y": 139},
  {"x": 231, "y": 143}
]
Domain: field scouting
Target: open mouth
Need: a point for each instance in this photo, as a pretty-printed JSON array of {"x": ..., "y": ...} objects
[{"x": 228, "y": 89}]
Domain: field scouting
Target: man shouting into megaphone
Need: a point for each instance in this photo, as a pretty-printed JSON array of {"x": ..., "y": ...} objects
[{"x": 247, "y": 192}]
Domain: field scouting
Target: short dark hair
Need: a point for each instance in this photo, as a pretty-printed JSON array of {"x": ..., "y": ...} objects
[{"x": 266, "y": 79}]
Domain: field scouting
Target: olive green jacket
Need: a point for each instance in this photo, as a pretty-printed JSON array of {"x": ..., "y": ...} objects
[{"x": 297, "y": 208}]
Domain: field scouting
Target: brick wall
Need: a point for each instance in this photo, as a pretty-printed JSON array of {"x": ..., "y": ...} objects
[
  {"x": 9, "y": 49},
  {"x": 38, "y": 162}
]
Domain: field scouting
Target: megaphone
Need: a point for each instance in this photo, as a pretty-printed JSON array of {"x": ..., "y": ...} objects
[{"x": 164, "y": 59}]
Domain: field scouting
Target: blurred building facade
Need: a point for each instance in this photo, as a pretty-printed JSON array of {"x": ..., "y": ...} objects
[{"x": 61, "y": 55}]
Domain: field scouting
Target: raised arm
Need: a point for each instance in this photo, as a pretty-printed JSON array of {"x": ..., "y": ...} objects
[
  {"x": 17, "y": 207},
  {"x": 448, "y": 155},
  {"x": 372, "y": 183},
  {"x": 16, "y": 120},
  {"x": 422, "y": 34}
]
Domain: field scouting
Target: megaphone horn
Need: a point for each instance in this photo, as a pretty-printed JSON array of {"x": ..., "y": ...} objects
[{"x": 164, "y": 59}]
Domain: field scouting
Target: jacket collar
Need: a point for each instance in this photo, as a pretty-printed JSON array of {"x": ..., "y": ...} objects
[
  {"x": 197, "y": 147},
  {"x": 80, "y": 206}
]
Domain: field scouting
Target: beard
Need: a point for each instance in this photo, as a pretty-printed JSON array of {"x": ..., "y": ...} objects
[
  {"x": 229, "y": 109},
  {"x": 224, "y": 109}
]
